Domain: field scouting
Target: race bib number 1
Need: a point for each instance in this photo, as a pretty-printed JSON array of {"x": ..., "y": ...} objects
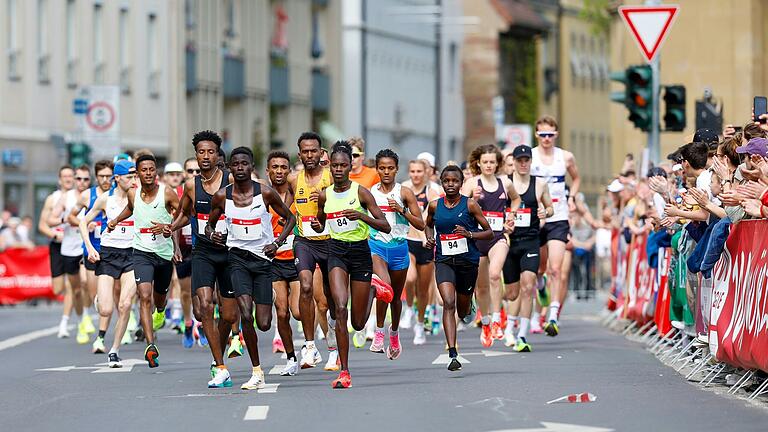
[
  {"x": 246, "y": 229},
  {"x": 495, "y": 220},
  {"x": 340, "y": 224},
  {"x": 453, "y": 244}
]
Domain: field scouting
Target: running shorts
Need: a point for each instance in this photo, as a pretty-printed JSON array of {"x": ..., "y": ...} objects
[
  {"x": 72, "y": 264},
  {"x": 554, "y": 231},
  {"x": 251, "y": 275},
  {"x": 420, "y": 253},
  {"x": 394, "y": 254},
  {"x": 352, "y": 257},
  {"x": 184, "y": 268},
  {"x": 209, "y": 266},
  {"x": 309, "y": 254},
  {"x": 114, "y": 262},
  {"x": 284, "y": 270},
  {"x": 484, "y": 246},
  {"x": 461, "y": 273},
  {"x": 149, "y": 267},
  {"x": 89, "y": 265},
  {"x": 55, "y": 258},
  {"x": 523, "y": 256}
]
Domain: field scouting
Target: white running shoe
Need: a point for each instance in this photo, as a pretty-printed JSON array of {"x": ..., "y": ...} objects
[
  {"x": 256, "y": 382},
  {"x": 113, "y": 361},
  {"x": 221, "y": 379},
  {"x": 509, "y": 338},
  {"x": 310, "y": 357},
  {"x": 370, "y": 329},
  {"x": 291, "y": 368},
  {"x": 333, "y": 361},
  {"x": 406, "y": 320},
  {"x": 330, "y": 340},
  {"x": 63, "y": 331},
  {"x": 419, "y": 338}
]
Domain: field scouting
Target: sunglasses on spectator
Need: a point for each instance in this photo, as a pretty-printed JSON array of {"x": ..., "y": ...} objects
[
  {"x": 193, "y": 171},
  {"x": 356, "y": 155},
  {"x": 546, "y": 134},
  {"x": 83, "y": 178}
]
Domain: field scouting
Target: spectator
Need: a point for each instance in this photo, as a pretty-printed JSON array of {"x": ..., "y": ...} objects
[{"x": 15, "y": 235}]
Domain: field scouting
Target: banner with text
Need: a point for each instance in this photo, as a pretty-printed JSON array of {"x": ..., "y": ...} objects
[{"x": 25, "y": 274}]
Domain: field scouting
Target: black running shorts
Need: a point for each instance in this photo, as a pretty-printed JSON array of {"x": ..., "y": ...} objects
[
  {"x": 554, "y": 231},
  {"x": 462, "y": 274},
  {"x": 284, "y": 270},
  {"x": 89, "y": 265},
  {"x": 523, "y": 256},
  {"x": 209, "y": 266},
  {"x": 55, "y": 258},
  {"x": 149, "y": 267},
  {"x": 72, "y": 264},
  {"x": 311, "y": 253},
  {"x": 114, "y": 262},
  {"x": 184, "y": 268},
  {"x": 251, "y": 275},
  {"x": 420, "y": 253},
  {"x": 353, "y": 257}
]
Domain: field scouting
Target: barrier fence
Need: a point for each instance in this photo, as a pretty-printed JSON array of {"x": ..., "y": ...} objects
[{"x": 25, "y": 274}]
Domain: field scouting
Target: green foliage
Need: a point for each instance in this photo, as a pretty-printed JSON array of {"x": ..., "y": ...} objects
[
  {"x": 521, "y": 92},
  {"x": 596, "y": 13}
]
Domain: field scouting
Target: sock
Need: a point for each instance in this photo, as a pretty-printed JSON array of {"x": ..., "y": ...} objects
[
  {"x": 291, "y": 356},
  {"x": 554, "y": 309},
  {"x": 64, "y": 319},
  {"x": 485, "y": 320},
  {"x": 277, "y": 337},
  {"x": 309, "y": 344},
  {"x": 257, "y": 370},
  {"x": 392, "y": 332},
  {"x": 511, "y": 323},
  {"x": 525, "y": 324},
  {"x": 114, "y": 351},
  {"x": 452, "y": 353},
  {"x": 102, "y": 333},
  {"x": 221, "y": 366},
  {"x": 380, "y": 329},
  {"x": 496, "y": 317}
]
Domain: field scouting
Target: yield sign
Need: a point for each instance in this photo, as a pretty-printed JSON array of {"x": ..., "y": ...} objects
[{"x": 649, "y": 25}]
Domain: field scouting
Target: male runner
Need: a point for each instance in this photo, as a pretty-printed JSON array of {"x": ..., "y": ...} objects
[
  {"x": 251, "y": 248},
  {"x": 152, "y": 252},
  {"x": 552, "y": 163},
  {"x": 55, "y": 234}
]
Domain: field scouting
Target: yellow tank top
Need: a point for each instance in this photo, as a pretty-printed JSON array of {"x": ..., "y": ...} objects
[{"x": 306, "y": 210}]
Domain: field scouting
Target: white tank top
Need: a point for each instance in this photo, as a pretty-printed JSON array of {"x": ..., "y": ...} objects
[
  {"x": 249, "y": 228},
  {"x": 122, "y": 236},
  {"x": 397, "y": 222},
  {"x": 72, "y": 243},
  {"x": 554, "y": 175}
]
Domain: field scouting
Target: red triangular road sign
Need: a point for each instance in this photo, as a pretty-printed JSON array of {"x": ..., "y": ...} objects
[{"x": 649, "y": 25}]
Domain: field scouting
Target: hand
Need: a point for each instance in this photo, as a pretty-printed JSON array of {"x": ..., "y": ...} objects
[
  {"x": 753, "y": 207},
  {"x": 314, "y": 196},
  {"x": 729, "y": 131},
  {"x": 167, "y": 230},
  {"x": 58, "y": 236},
  {"x": 460, "y": 230},
  {"x": 351, "y": 214},
  {"x": 509, "y": 223},
  {"x": 658, "y": 184},
  {"x": 750, "y": 174},
  {"x": 668, "y": 222},
  {"x": 430, "y": 243},
  {"x": 216, "y": 237},
  {"x": 701, "y": 197},
  {"x": 92, "y": 226},
  {"x": 571, "y": 204},
  {"x": 761, "y": 164},
  {"x": 752, "y": 189},
  {"x": 316, "y": 225},
  {"x": 477, "y": 192},
  {"x": 395, "y": 206},
  {"x": 177, "y": 256},
  {"x": 157, "y": 228},
  {"x": 671, "y": 210},
  {"x": 721, "y": 169},
  {"x": 93, "y": 256},
  {"x": 731, "y": 198},
  {"x": 270, "y": 250},
  {"x": 111, "y": 226}
]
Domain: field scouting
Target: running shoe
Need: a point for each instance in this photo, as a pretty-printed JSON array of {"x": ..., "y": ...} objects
[
  {"x": 277, "y": 346},
  {"x": 551, "y": 328},
  {"x": 460, "y": 326},
  {"x": 151, "y": 354},
  {"x": 98, "y": 346},
  {"x": 496, "y": 331},
  {"x": 213, "y": 368},
  {"x": 139, "y": 335},
  {"x": 201, "y": 339},
  {"x": 472, "y": 312},
  {"x": 419, "y": 338},
  {"x": 235, "y": 347},
  {"x": 333, "y": 363},
  {"x": 158, "y": 320},
  {"x": 486, "y": 338},
  {"x": 310, "y": 357},
  {"x": 406, "y": 320},
  {"x": 256, "y": 382},
  {"x": 358, "y": 339},
  {"x": 370, "y": 329},
  {"x": 176, "y": 325},
  {"x": 330, "y": 339},
  {"x": 63, "y": 331},
  {"x": 454, "y": 365},
  {"x": 427, "y": 322},
  {"x": 291, "y": 368},
  {"x": 377, "y": 345},
  {"x": 221, "y": 379},
  {"x": 522, "y": 346},
  {"x": 113, "y": 361},
  {"x": 88, "y": 323},
  {"x": 509, "y": 338},
  {"x": 384, "y": 291},
  {"x": 132, "y": 323},
  {"x": 82, "y": 336},
  {"x": 542, "y": 292},
  {"x": 536, "y": 327},
  {"x": 343, "y": 381},
  {"x": 187, "y": 339},
  {"x": 394, "y": 349},
  {"x": 437, "y": 315}
]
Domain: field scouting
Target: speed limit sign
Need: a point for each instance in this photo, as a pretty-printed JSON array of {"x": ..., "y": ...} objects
[{"x": 100, "y": 116}]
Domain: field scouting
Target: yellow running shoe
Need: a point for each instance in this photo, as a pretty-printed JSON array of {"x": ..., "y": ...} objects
[
  {"x": 82, "y": 335},
  {"x": 88, "y": 323},
  {"x": 158, "y": 319},
  {"x": 235, "y": 347}
]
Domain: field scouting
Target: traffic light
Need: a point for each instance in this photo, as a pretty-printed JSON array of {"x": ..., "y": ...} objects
[
  {"x": 78, "y": 153},
  {"x": 674, "y": 109},
  {"x": 637, "y": 96}
]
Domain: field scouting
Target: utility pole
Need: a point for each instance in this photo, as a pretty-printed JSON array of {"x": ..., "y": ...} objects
[{"x": 654, "y": 150}]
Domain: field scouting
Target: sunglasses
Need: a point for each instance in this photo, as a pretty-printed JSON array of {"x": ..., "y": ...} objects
[
  {"x": 546, "y": 134},
  {"x": 357, "y": 155},
  {"x": 193, "y": 171},
  {"x": 83, "y": 178}
]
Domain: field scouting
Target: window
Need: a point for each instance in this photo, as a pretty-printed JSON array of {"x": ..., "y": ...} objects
[
  {"x": 99, "y": 68},
  {"x": 189, "y": 13},
  {"x": 71, "y": 41},
  {"x": 14, "y": 54},
  {"x": 43, "y": 58},
  {"x": 124, "y": 51},
  {"x": 153, "y": 80}
]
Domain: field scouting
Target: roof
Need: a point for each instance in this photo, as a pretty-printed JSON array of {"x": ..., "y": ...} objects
[{"x": 520, "y": 14}]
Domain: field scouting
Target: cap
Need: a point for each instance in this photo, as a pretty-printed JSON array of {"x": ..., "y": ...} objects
[
  {"x": 522, "y": 151},
  {"x": 123, "y": 167},
  {"x": 173, "y": 167},
  {"x": 755, "y": 146},
  {"x": 706, "y": 136},
  {"x": 615, "y": 186},
  {"x": 657, "y": 172},
  {"x": 121, "y": 156},
  {"x": 427, "y": 156}
]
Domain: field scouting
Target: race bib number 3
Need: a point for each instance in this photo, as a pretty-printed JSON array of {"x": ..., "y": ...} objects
[
  {"x": 523, "y": 218},
  {"x": 453, "y": 244},
  {"x": 246, "y": 229},
  {"x": 495, "y": 220},
  {"x": 308, "y": 231},
  {"x": 148, "y": 236},
  {"x": 202, "y": 221},
  {"x": 340, "y": 224}
]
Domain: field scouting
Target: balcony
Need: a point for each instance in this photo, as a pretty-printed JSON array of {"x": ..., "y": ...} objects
[
  {"x": 321, "y": 91},
  {"x": 233, "y": 79},
  {"x": 279, "y": 84},
  {"x": 191, "y": 70}
]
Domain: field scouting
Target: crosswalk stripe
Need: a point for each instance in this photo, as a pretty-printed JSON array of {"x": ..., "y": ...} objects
[{"x": 256, "y": 412}]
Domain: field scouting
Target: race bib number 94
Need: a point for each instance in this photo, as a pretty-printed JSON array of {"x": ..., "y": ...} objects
[{"x": 453, "y": 244}]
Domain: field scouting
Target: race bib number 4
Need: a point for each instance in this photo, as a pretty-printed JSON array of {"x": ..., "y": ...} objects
[
  {"x": 453, "y": 244},
  {"x": 246, "y": 229},
  {"x": 151, "y": 238},
  {"x": 308, "y": 231},
  {"x": 202, "y": 221},
  {"x": 340, "y": 224},
  {"x": 495, "y": 220},
  {"x": 523, "y": 218}
]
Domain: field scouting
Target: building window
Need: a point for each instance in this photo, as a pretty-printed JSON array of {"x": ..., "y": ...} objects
[
  {"x": 14, "y": 53},
  {"x": 153, "y": 80},
  {"x": 230, "y": 29},
  {"x": 71, "y": 16},
  {"x": 43, "y": 57},
  {"x": 453, "y": 66},
  {"x": 124, "y": 51},
  {"x": 99, "y": 67},
  {"x": 189, "y": 14}
]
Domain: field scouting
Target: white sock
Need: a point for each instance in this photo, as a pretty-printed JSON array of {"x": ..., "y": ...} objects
[
  {"x": 309, "y": 344},
  {"x": 115, "y": 351},
  {"x": 277, "y": 336},
  {"x": 510, "y": 324},
  {"x": 554, "y": 309},
  {"x": 496, "y": 317},
  {"x": 485, "y": 320},
  {"x": 525, "y": 324},
  {"x": 64, "y": 319},
  {"x": 536, "y": 317}
]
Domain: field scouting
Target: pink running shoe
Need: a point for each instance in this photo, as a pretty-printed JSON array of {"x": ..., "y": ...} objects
[
  {"x": 277, "y": 346},
  {"x": 394, "y": 349},
  {"x": 377, "y": 345}
]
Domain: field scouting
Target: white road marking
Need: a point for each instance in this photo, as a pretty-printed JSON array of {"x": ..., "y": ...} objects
[
  {"x": 269, "y": 388},
  {"x": 256, "y": 412},
  {"x": 497, "y": 353},
  {"x": 28, "y": 337},
  {"x": 65, "y": 368},
  {"x": 558, "y": 427},
  {"x": 443, "y": 359},
  {"x": 128, "y": 365}
]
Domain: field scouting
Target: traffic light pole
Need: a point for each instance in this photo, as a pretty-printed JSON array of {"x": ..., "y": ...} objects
[{"x": 654, "y": 152}]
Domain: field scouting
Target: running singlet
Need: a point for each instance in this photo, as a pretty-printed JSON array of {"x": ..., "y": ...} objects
[
  {"x": 203, "y": 209},
  {"x": 249, "y": 228},
  {"x": 71, "y": 243},
  {"x": 493, "y": 205},
  {"x": 306, "y": 210},
  {"x": 527, "y": 217},
  {"x": 397, "y": 222},
  {"x": 450, "y": 245},
  {"x": 122, "y": 236},
  {"x": 342, "y": 228},
  {"x": 185, "y": 239},
  {"x": 554, "y": 175},
  {"x": 99, "y": 220},
  {"x": 284, "y": 252},
  {"x": 143, "y": 215}
]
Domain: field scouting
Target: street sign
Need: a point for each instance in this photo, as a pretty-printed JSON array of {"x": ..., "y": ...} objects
[
  {"x": 649, "y": 26},
  {"x": 80, "y": 106},
  {"x": 514, "y": 135},
  {"x": 98, "y": 110}
]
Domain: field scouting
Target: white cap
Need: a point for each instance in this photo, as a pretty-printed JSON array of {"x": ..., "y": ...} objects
[
  {"x": 615, "y": 186},
  {"x": 173, "y": 167},
  {"x": 677, "y": 167},
  {"x": 427, "y": 156}
]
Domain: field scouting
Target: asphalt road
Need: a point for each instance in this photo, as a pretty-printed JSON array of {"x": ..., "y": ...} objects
[{"x": 496, "y": 390}]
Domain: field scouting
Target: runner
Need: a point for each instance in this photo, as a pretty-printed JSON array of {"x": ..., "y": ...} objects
[
  {"x": 252, "y": 246},
  {"x": 103, "y": 170},
  {"x": 365, "y": 176},
  {"x": 390, "y": 250},
  {"x": 114, "y": 262},
  {"x": 522, "y": 261},
  {"x": 285, "y": 278},
  {"x": 173, "y": 176},
  {"x": 421, "y": 271},
  {"x": 346, "y": 206},
  {"x": 183, "y": 270},
  {"x": 56, "y": 234},
  {"x": 152, "y": 252},
  {"x": 491, "y": 193},
  {"x": 454, "y": 219},
  {"x": 210, "y": 262},
  {"x": 552, "y": 164}
]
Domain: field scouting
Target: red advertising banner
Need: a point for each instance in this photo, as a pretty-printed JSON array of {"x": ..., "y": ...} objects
[
  {"x": 25, "y": 274},
  {"x": 663, "y": 297},
  {"x": 639, "y": 286},
  {"x": 738, "y": 333}
]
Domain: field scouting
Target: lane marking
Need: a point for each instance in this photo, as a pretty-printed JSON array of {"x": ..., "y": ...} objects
[
  {"x": 28, "y": 337},
  {"x": 269, "y": 388},
  {"x": 256, "y": 412},
  {"x": 443, "y": 359}
]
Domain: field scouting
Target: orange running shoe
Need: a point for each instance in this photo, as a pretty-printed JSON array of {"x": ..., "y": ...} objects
[
  {"x": 384, "y": 291},
  {"x": 496, "y": 331},
  {"x": 486, "y": 338},
  {"x": 343, "y": 381}
]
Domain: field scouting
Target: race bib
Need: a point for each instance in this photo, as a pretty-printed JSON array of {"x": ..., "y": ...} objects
[
  {"x": 495, "y": 220},
  {"x": 148, "y": 237},
  {"x": 97, "y": 230},
  {"x": 453, "y": 244},
  {"x": 340, "y": 224},
  {"x": 306, "y": 227},
  {"x": 123, "y": 231},
  {"x": 186, "y": 232},
  {"x": 288, "y": 244},
  {"x": 202, "y": 221},
  {"x": 246, "y": 229},
  {"x": 523, "y": 218},
  {"x": 390, "y": 214}
]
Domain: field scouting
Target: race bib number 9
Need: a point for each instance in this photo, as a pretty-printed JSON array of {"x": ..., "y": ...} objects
[
  {"x": 495, "y": 220},
  {"x": 202, "y": 221},
  {"x": 308, "y": 231},
  {"x": 123, "y": 231},
  {"x": 523, "y": 218},
  {"x": 453, "y": 244},
  {"x": 246, "y": 229},
  {"x": 340, "y": 224}
]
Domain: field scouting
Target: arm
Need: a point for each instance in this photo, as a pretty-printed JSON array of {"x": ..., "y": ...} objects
[
  {"x": 82, "y": 203},
  {"x": 570, "y": 166},
  {"x": 125, "y": 214},
  {"x": 546, "y": 199},
  {"x": 97, "y": 208},
  {"x": 376, "y": 220},
  {"x": 272, "y": 199},
  {"x": 42, "y": 225},
  {"x": 413, "y": 215},
  {"x": 217, "y": 209},
  {"x": 318, "y": 224},
  {"x": 511, "y": 194},
  {"x": 56, "y": 216},
  {"x": 429, "y": 225},
  {"x": 477, "y": 213},
  {"x": 470, "y": 188},
  {"x": 185, "y": 207},
  {"x": 694, "y": 215}
]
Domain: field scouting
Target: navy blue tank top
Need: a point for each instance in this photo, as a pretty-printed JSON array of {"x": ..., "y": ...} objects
[
  {"x": 456, "y": 246},
  {"x": 203, "y": 207},
  {"x": 101, "y": 224}
]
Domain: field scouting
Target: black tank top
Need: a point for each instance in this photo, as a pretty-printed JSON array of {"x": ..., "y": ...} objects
[
  {"x": 422, "y": 198},
  {"x": 495, "y": 201},
  {"x": 203, "y": 207},
  {"x": 528, "y": 211}
]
